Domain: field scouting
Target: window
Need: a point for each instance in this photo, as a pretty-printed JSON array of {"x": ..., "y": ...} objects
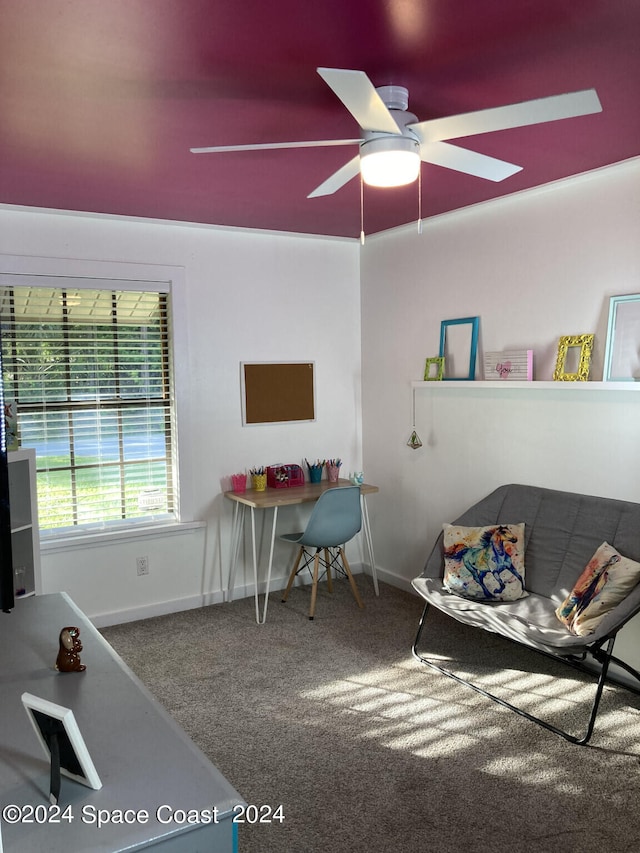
[{"x": 89, "y": 370}]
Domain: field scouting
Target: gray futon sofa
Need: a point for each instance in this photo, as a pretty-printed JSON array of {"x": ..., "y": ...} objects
[{"x": 562, "y": 532}]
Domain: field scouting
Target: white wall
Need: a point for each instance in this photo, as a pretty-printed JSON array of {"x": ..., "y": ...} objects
[
  {"x": 533, "y": 267},
  {"x": 247, "y": 296}
]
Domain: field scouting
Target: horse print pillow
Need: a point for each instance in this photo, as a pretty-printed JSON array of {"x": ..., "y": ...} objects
[
  {"x": 485, "y": 563},
  {"x": 607, "y": 579}
]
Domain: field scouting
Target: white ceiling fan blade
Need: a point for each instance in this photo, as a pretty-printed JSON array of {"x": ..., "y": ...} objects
[
  {"x": 469, "y": 162},
  {"x": 338, "y": 179},
  {"x": 359, "y": 96},
  {"x": 515, "y": 115},
  {"x": 264, "y": 146}
]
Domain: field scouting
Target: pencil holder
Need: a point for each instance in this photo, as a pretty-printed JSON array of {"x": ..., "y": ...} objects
[
  {"x": 239, "y": 482},
  {"x": 315, "y": 472},
  {"x": 259, "y": 482},
  {"x": 333, "y": 472}
]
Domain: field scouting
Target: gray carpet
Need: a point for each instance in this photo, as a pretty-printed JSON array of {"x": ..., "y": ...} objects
[{"x": 367, "y": 750}]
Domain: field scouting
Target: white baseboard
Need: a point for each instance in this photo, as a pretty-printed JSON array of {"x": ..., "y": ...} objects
[
  {"x": 279, "y": 582},
  {"x": 394, "y": 580},
  {"x": 162, "y": 608}
]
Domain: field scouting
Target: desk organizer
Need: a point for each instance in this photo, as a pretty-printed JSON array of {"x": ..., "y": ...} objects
[{"x": 284, "y": 476}]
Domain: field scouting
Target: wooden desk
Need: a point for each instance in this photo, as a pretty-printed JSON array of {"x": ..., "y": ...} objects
[
  {"x": 144, "y": 759},
  {"x": 273, "y": 499}
]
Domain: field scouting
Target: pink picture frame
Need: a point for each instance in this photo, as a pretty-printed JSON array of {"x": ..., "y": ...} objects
[{"x": 509, "y": 365}]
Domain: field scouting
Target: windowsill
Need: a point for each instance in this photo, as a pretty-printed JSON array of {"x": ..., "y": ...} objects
[{"x": 113, "y": 537}]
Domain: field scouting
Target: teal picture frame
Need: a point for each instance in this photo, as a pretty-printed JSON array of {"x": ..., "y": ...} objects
[
  {"x": 622, "y": 351},
  {"x": 470, "y": 342}
]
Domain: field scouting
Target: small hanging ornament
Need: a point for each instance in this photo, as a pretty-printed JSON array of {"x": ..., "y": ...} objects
[{"x": 414, "y": 439}]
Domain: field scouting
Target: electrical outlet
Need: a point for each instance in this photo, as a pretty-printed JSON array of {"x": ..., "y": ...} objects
[{"x": 142, "y": 564}]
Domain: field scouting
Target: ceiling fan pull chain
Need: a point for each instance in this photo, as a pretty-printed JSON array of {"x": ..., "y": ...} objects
[
  {"x": 361, "y": 210},
  {"x": 420, "y": 201}
]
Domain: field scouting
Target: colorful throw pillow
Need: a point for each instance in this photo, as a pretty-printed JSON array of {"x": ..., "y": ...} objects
[
  {"x": 607, "y": 579},
  {"x": 485, "y": 563}
]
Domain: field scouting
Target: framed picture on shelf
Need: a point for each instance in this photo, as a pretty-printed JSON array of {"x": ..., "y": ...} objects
[
  {"x": 434, "y": 368},
  {"x": 510, "y": 365},
  {"x": 622, "y": 352},
  {"x": 459, "y": 346},
  {"x": 574, "y": 358}
]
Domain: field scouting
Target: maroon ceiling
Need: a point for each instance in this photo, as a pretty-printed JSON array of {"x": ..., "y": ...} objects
[{"x": 100, "y": 101}]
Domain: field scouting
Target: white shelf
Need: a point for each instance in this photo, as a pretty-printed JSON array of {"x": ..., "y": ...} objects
[{"x": 482, "y": 384}]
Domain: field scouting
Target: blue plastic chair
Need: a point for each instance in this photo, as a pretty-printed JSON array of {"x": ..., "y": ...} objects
[{"x": 336, "y": 518}]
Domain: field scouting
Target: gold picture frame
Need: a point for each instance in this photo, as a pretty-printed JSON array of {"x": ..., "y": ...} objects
[{"x": 569, "y": 342}]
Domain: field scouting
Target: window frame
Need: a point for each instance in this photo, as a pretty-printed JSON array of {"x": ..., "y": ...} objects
[{"x": 114, "y": 275}]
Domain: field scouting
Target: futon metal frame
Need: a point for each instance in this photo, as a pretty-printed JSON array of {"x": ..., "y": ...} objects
[{"x": 601, "y": 652}]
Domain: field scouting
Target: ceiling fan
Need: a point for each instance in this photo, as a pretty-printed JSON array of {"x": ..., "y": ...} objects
[{"x": 393, "y": 142}]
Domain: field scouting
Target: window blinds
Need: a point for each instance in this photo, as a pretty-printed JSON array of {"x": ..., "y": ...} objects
[{"x": 89, "y": 371}]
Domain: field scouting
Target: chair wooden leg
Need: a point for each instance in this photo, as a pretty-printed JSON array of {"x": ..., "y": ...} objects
[
  {"x": 327, "y": 559},
  {"x": 314, "y": 588},
  {"x": 292, "y": 576},
  {"x": 354, "y": 588}
]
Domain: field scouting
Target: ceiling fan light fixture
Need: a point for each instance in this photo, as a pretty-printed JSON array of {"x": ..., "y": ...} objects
[{"x": 390, "y": 161}]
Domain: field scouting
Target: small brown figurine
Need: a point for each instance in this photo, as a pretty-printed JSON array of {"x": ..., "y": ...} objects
[{"x": 68, "y": 659}]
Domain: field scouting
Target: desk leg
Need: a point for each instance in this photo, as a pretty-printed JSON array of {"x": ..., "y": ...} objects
[
  {"x": 366, "y": 527},
  {"x": 273, "y": 539},
  {"x": 236, "y": 535},
  {"x": 238, "y": 526},
  {"x": 255, "y": 562}
]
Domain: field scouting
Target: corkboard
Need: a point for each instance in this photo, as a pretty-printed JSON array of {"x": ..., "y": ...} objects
[{"x": 274, "y": 392}]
